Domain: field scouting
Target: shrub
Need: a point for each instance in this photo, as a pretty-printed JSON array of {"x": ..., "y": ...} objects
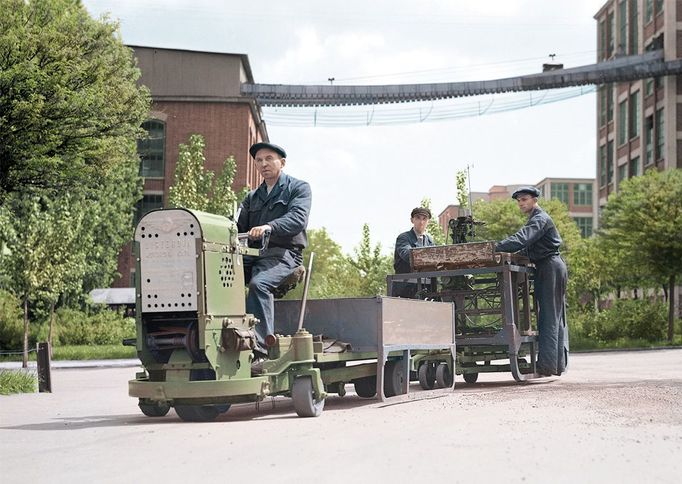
[
  {"x": 633, "y": 318},
  {"x": 11, "y": 321},
  {"x": 74, "y": 327}
]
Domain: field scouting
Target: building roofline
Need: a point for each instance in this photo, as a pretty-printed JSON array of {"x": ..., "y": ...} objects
[{"x": 244, "y": 57}]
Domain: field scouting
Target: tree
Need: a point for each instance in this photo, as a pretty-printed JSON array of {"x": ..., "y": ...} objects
[
  {"x": 433, "y": 228},
  {"x": 370, "y": 266},
  {"x": 68, "y": 93},
  {"x": 462, "y": 192},
  {"x": 503, "y": 218},
  {"x": 194, "y": 185},
  {"x": 332, "y": 274},
  {"x": 644, "y": 220}
]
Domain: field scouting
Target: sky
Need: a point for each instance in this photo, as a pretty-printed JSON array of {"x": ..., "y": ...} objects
[{"x": 377, "y": 174}]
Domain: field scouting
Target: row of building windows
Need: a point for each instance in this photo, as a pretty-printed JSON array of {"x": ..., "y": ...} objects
[
  {"x": 628, "y": 27},
  {"x": 654, "y": 144},
  {"x": 585, "y": 225}
]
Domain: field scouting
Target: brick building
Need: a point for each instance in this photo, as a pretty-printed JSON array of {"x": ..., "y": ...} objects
[
  {"x": 192, "y": 93},
  {"x": 638, "y": 122},
  {"x": 576, "y": 193}
]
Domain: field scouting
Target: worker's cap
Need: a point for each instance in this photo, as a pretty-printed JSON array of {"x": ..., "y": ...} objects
[
  {"x": 532, "y": 191},
  {"x": 421, "y": 211},
  {"x": 259, "y": 146}
]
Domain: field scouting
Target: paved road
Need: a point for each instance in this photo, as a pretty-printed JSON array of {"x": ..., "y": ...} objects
[{"x": 615, "y": 417}]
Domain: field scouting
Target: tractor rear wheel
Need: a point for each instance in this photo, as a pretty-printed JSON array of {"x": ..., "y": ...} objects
[
  {"x": 153, "y": 408},
  {"x": 198, "y": 413}
]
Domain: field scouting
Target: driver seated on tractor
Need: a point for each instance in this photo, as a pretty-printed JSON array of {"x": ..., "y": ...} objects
[
  {"x": 415, "y": 237},
  {"x": 280, "y": 205}
]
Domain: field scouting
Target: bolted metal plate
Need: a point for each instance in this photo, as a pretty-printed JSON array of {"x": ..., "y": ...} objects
[{"x": 168, "y": 260}]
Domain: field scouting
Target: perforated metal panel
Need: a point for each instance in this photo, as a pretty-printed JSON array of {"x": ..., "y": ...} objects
[{"x": 168, "y": 261}]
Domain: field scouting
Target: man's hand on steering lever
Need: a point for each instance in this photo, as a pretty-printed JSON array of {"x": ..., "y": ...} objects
[{"x": 257, "y": 232}]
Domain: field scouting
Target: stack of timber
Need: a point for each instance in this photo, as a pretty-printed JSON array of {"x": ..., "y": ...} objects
[{"x": 461, "y": 256}]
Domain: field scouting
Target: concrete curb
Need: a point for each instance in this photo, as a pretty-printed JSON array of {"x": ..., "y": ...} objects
[{"x": 67, "y": 364}]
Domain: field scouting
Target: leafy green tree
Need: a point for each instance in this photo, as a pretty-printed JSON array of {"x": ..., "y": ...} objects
[
  {"x": 644, "y": 220},
  {"x": 68, "y": 93},
  {"x": 332, "y": 274},
  {"x": 462, "y": 192},
  {"x": 370, "y": 266},
  {"x": 197, "y": 188},
  {"x": 433, "y": 228}
]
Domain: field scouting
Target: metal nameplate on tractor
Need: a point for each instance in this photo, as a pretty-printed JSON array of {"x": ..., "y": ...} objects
[{"x": 168, "y": 260}]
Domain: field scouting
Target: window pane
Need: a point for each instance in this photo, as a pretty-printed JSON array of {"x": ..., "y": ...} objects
[
  {"x": 622, "y": 120},
  {"x": 609, "y": 162},
  {"x": 582, "y": 194},
  {"x": 634, "y": 28},
  {"x": 634, "y": 166},
  {"x": 148, "y": 203},
  {"x": 602, "y": 166},
  {"x": 609, "y": 102},
  {"x": 585, "y": 225},
  {"x": 648, "y": 10},
  {"x": 634, "y": 115},
  {"x": 151, "y": 149},
  {"x": 660, "y": 135},
  {"x": 560, "y": 192}
]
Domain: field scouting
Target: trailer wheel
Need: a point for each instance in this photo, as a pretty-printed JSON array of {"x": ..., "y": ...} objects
[
  {"x": 198, "y": 413},
  {"x": 444, "y": 376},
  {"x": 470, "y": 377},
  {"x": 366, "y": 387},
  {"x": 152, "y": 408},
  {"x": 427, "y": 375},
  {"x": 394, "y": 377},
  {"x": 304, "y": 400}
]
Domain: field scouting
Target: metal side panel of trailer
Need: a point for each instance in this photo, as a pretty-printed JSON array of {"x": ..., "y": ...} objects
[{"x": 376, "y": 324}]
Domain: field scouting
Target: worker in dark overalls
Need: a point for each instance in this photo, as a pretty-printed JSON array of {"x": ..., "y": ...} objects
[
  {"x": 539, "y": 239},
  {"x": 415, "y": 237},
  {"x": 280, "y": 205}
]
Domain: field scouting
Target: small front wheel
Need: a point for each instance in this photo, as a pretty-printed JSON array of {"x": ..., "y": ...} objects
[
  {"x": 304, "y": 399},
  {"x": 444, "y": 376},
  {"x": 427, "y": 375},
  {"x": 470, "y": 378},
  {"x": 394, "y": 378},
  {"x": 366, "y": 387}
]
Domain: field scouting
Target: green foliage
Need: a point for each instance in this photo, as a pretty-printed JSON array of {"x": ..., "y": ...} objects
[
  {"x": 76, "y": 327},
  {"x": 196, "y": 188},
  {"x": 68, "y": 93},
  {"x": 643, "y": 224},
  {"x": 503, "y": 218},
  {"x": 17, "y": 382},
  {"x": 11, "y": 326},
  {"x": 633, "y": 318},
  {"x": 462, "y": 192},
  {"x": 371, "y": 267},
  {"x": 332, "y": 275},
  {"x": 433, "y": 228}
]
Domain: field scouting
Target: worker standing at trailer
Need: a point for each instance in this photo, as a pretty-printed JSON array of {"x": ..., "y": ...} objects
[
  {"x": 539, "y": 239},
  {"x": 281, "y": 206},
  {"x": 415, "y": 237}
]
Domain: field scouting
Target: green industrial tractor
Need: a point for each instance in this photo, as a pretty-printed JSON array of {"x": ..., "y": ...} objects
[{"x": 194, "y": 337}]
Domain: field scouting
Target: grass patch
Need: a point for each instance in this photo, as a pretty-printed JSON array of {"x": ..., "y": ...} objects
[
  {"x": 12, "y": 381},
  {"x": 82, "y": 352},
  {"x": 578, "y": 343}
]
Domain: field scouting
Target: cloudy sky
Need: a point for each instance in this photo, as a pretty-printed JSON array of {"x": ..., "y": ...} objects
[{"x": 377, "y": 174}]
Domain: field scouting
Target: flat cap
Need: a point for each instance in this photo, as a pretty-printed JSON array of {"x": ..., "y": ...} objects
[
  {"x": 259, "y": 146},
  {"x": 532, "y": 191},
  {"x": 421, "y": 211}
]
